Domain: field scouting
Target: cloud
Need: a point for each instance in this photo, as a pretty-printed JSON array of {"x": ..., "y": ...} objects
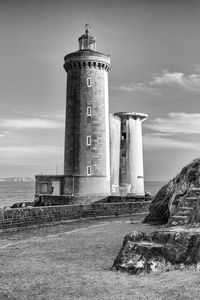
[
  {"x": 60, "y": 115},
  {"x": 18, "y": 155},
  {"x": 173, "y": 132},
  {"x": 165, "y": 78},
  {"x": 30, "y": 150},
  {"x": 30, "y": 123},
  {"x": 191, "y": 82},
  {"x": 176, "y": 123},
  {"x": 57, "y": 115},
  {"x": 137, "y": 88},
  {"x": 155, "y": 142}
]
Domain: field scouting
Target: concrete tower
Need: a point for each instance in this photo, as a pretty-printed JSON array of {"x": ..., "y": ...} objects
[
  {"x": 86, "y": 156},
  {"x": 126, "y": 153}
]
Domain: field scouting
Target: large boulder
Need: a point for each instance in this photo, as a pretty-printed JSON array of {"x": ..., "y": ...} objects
[
  {"x": 164, "y": 201},
  {"x": 159, "y": 251}
]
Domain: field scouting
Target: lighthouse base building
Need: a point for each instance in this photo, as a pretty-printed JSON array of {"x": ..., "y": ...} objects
[{"x": 103, "y": 153}]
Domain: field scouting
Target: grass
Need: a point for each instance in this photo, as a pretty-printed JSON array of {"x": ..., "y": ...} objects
[{"x": 72, "y": 261}]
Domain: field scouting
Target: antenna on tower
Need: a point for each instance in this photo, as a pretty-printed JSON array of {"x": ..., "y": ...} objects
[{"x": 87, "y": 28}]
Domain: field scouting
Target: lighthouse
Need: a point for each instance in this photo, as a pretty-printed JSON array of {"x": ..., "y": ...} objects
[
  {"x": 102, "y": 154},
  {"x": 86, "y": 153}
]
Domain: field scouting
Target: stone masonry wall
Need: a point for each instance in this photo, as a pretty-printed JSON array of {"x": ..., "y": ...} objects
[
  {"x": 81, "y": 66},
  {"x": 22, "y": 217},
  {"x": 52, "y": 200}
]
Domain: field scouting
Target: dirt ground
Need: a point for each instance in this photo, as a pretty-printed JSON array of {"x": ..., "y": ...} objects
[{"x": 73, "y": 260}]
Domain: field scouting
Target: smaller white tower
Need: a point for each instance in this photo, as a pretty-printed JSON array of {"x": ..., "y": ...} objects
[{"x": 127, "y": 176}]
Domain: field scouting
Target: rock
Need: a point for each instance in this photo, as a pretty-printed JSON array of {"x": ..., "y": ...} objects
[
  {"x": 166, "y": 199},
  {"x": 158, "y": 251},
  {"x": 187, "y": 210},
  {"x": 22, "y": 204}
]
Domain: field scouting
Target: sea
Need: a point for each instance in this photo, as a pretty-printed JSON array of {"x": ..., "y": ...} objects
[{"x": 13, "y": 192}]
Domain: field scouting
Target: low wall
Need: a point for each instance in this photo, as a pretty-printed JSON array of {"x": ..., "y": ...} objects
[
  {"x": 51, "y": 200},
  {"x": 114, "y": 199},
  {"x": 21, "y": 217}
]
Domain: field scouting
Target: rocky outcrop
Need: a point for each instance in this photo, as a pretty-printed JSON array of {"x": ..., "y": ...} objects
[
  {"x": 177, "y": 203},
  {"x": 158, "y": 251},
  {"x": 166, "y": 198}
]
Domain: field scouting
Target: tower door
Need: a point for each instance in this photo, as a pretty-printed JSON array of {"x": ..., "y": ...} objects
[{"x": 56, "y": 187}]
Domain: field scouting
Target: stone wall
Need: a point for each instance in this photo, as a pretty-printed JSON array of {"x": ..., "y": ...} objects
[
  {"x": 51, "y": 200},
  {"x": 22, "y": 217},
  {"x": 114, "y": 199}
]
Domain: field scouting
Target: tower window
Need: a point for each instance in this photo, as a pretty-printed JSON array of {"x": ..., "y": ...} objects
[
  {"x": 89, "y": 171},
  {"x": 89, "y": 111},
  {"x": 123, "y": 162},
  {"x": 123, "y": 135},
  {"x": 88, "y": 140},
  {"x": 44, "y": 188},
  {"x": 89, "y": 83}
]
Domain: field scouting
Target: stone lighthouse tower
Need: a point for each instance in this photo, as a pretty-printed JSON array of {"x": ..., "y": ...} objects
[{"x": 86, "y": 156}]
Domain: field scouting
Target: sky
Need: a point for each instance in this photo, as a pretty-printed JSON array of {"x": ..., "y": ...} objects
[{"x": 154, "y": 47}]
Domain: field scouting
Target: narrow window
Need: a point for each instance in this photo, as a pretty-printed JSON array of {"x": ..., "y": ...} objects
[
  {"x": 123, "y": 162},
  {"x": 88, "y": 140},
  {"x": 89, "y": 83},
  {"x": 44, "y": 188},
  {"x": 88, "y": 170},
  {"x": 89, "y": 111},
  {"x": 123, "y": 135}
]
